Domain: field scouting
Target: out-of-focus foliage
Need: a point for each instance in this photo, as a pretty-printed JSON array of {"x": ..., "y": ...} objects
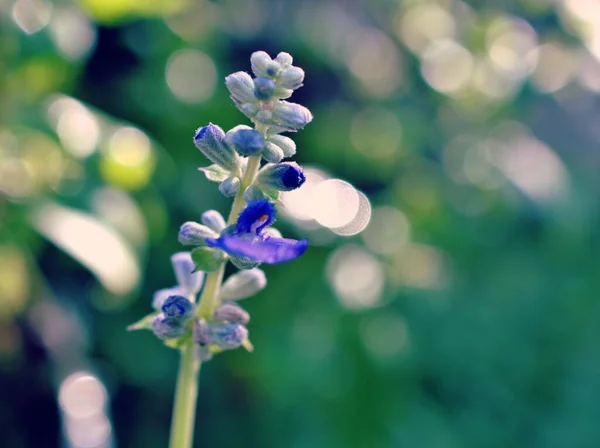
[{"x": 452, "y": 302}]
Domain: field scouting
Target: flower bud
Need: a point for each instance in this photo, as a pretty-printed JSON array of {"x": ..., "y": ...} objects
[
  {"x": 285, "y": 59},
  {"x": 291, "y": 78},
  {"x": 229, "y": 187},
  {"x": 184, "y": 267},
  {"x": 244, "y": 284},
  {"x": 161, "y": 295},
  {"x": 245, "y": 140},
  {"x": 291, "y": 116},
  {"x": 264, "y": 88},
  {"x": 231, "y": 313},
  {"x": 177, "y": 307},
  {"x": 214, "y": 220},
  {"x": 166, "y": 328},
  {"x": 272, "y": 153},
  {"x": 259, "y": 60},
  {"x": 285, "y": 176},
  {"x": 210, "y": 141},
  {"x": 227, "y": 336},
  {"x": 286, "y": 144},
  {"x": 241, "y": 87},
  {"x": 193, "y": 234}
]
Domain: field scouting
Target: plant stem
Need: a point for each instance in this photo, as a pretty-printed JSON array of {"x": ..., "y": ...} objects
[{"x": 184, "y": 408}]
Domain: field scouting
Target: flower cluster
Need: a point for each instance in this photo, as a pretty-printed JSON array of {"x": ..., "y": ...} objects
[{"x": 217, "y": 323}]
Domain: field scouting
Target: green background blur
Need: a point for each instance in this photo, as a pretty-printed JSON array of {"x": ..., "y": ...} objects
[{"x": 466, "y": 313}]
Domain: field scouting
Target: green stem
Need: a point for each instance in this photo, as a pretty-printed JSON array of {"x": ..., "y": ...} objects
[{"x": 184, "y": 408}]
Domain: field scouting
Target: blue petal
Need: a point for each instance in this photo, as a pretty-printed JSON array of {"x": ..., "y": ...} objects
[
  {"x": 260, "y": 248},
  {"x": 256, "y": 216}
]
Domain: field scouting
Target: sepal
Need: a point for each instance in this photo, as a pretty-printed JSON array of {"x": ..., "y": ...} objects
[
  {"x": 215, "y": 173},
  {"x": 145, "y": 323},
  {"x": 207, "y": 259}
]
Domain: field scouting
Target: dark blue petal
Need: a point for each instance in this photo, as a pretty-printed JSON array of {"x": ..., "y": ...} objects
[
  {"x": 260, "y": 248},
  {"x": 255, "y": 217}
]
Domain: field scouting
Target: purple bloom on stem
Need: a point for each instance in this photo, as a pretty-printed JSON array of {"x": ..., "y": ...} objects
[{"x": 248, "y": 239}]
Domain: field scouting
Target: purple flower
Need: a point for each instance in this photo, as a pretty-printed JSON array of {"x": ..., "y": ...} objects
[{"x": 248, "y": 239}]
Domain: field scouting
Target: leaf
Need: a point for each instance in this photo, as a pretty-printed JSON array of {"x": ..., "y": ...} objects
[
  {"x": 207, "y": 259},
  {"x": 215, "y": 173},
  {"x": 145, "y": 323}
]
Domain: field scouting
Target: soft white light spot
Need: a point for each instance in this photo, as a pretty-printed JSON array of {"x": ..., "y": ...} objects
[
  {"x": 336, "y": 203},
  {"x": 388, "y": 230},
  {"x": 82, "y": 395},
  {"x": 555, "y": 67},
  {"x": 534, "y": 168},
  {"x": 94, "y": 245},
  {"x": 424, "y": 24},
  {"x": 356, "y": 276},
  {"x": 446, "y": 66},
  {"x": 360, "y": 220},
  {"x": 512, "y": 46},
  {"x": 191, "y": 75},
  {"x": 77, "y": 128},
  {"x": 72, "y": 33},
  {"x": 299, "y": 203},
  {"x": 90, "y": 432},
  {"x": 31, "y": 15},
  {"x": 375, "y": 60}
]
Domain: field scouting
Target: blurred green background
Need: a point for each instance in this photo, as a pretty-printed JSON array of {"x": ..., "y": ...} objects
[{"x": 450, "y": 294}]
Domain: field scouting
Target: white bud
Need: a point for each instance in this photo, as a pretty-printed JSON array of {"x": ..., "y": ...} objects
[
  {"x": 243, "y": 284},
  {"x": 259, "y": 60},
  {"x": 184, "y": 267}
]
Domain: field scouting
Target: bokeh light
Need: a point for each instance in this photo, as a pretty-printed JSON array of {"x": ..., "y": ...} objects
[
  {"x": 356, "y": 276},
  {"x": 191, "y": 75}
]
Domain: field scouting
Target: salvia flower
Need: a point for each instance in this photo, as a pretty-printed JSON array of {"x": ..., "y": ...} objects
[
  {"x": 248, "y": 239},
  {"x": 285, "y": 176}
]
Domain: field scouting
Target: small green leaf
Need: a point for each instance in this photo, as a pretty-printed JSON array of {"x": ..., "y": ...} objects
[
  {"x": 207, "y": 259},
  {"x": 145, "y": 323},
  {"x": 215, "y": 173},
  {"x": 178, "y": 342}
]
